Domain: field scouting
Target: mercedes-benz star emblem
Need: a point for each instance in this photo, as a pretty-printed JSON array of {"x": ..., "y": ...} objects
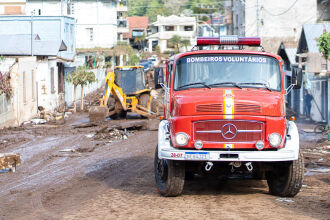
[{"x": 228, "y": 131}]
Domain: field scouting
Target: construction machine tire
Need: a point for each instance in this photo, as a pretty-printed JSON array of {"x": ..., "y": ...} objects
[
  {"x": 119, "y": 111},
  {"x": 111, "y": 103},
  {"x": 144, "y": 99}
]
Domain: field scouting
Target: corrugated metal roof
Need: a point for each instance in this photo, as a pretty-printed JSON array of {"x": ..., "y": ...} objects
[
  {"x": 20, "y": 45},
  {"x": 311, "y": 33},
  {"x": 291, "y": 53}
]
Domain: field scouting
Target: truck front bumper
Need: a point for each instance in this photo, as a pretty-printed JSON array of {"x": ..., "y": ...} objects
[{"x": 288, "y": 153}]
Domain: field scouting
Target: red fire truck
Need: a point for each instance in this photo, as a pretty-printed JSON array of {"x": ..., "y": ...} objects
[{"x": 225, "y": 115}]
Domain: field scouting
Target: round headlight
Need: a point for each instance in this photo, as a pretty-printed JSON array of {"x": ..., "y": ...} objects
[
  {"x": 274, "y": 139},
  {"x": 260, "y": 145},
  {"x": 181, "y": 139},
  {"x": 198, "y": 145}
]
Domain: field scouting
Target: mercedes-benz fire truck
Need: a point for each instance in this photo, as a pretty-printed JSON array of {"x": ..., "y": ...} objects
[{"x": 225, "y": 115}]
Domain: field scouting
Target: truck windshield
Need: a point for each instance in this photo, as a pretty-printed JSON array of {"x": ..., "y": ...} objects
[{"x": 227, "y": 70}]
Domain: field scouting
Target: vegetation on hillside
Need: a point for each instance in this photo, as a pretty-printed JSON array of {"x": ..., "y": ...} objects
[{"x": 152, "y": 8}]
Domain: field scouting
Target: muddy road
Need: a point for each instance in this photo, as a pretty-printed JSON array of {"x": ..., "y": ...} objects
[{"x": 72, "y": 173}]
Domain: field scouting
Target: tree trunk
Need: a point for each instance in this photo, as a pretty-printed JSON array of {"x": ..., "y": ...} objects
[
  {"x": 74, "y": 98},
  {"x": 82, "y": 98}
]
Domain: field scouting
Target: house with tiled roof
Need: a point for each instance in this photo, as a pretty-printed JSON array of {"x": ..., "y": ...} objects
[{"x": 138, "y": 26}]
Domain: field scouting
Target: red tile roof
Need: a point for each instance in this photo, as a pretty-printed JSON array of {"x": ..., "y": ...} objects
[{"x": 137, "y": 23}]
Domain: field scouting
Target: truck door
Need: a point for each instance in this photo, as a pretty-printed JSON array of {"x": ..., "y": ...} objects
[{"x": 169, "y": 68}]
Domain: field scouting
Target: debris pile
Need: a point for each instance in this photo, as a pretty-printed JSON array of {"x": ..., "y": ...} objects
[
  {"x": 114, "y": 134},
  {"x": 157, "y": 101},
  {"x": 93, "y": 99}
]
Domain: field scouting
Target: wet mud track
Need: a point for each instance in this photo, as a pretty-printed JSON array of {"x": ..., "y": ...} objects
[{"x": 114, "y": 180}]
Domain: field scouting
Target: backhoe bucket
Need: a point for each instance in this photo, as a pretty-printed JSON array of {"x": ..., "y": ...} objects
[{"x": 98, "y": 113}]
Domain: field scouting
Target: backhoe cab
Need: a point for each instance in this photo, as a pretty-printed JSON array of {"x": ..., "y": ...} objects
[{"x": 125, "y": 91}]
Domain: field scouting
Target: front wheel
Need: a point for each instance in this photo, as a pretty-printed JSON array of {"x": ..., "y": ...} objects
[
  {"x": 169, "y": 175},
  {"x": 286, "y": 178}
]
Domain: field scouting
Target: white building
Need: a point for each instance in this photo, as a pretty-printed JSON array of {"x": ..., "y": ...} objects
[
  {"x": 273, "y": 21},
  {"x": 96, "y": 20},
  {"x": 122, "y": 22},
  {"x": 166, "y": 27}
]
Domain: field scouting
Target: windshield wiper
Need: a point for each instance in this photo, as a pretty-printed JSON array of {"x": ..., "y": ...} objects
[
  {"x": 224, "y": 83},
  {"x": 197, "y": 83},
  {"x": 256, "y": 83}
]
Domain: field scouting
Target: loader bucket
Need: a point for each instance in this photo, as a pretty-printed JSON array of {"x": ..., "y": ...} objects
[{"x": 98, "y": 113}]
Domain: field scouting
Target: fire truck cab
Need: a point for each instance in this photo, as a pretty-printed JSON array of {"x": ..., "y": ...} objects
[{"x": 225, "y": 115}]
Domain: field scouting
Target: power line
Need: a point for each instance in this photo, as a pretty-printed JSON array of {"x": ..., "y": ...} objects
[{"x": 285, "y": 11}]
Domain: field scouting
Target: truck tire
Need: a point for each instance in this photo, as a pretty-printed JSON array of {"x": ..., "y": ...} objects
[
  {"x": 286, "y": 178},
  {"x": 169, "y": 176}
]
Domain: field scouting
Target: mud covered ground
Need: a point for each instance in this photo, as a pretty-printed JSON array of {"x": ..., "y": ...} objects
[{"x": 72, "y": 173}]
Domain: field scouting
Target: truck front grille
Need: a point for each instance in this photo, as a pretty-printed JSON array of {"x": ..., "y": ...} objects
[
  {"x": 228, "y": 131},
  {"x": 209, "y": 108}
]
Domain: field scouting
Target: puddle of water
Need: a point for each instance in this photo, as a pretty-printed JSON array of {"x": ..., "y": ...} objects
[
  {"x": 284, "y": 200},
  {"x": 315, "y": 171},
  {"x": 81, "y": 121}
]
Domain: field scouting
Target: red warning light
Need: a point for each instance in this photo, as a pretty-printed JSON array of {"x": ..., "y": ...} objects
[{"x": 228, "y": 40}]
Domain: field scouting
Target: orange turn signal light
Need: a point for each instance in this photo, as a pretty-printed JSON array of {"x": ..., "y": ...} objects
[{"x": 292, "y": 118}]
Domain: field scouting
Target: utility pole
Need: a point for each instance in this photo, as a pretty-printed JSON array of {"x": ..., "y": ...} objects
[
  {"x": 32, "y": 13},
  {"x": 257, "y": 17}
]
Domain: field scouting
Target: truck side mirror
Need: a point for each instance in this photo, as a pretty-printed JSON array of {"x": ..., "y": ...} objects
[
  {"x": 296, "y": 77},
  {"x": 158, "y": 77}
]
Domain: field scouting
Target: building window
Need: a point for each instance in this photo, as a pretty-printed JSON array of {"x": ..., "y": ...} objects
[
  {"x": 90, "y": 32},
  {"x": 169, "y": 28},
  {"x": 188, "y": 28},
  {"x": 24, "y": 87},
  {"x": 52, "y": 81}
]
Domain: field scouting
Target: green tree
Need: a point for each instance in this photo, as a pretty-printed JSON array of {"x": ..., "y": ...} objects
[
  {"x": 81, "y": 76},
  {"x": 140, "y": 41},
  {"x": 137, "y": 7},
  {"x": 176, "y": 41},
  {"x": 133, "y": 60},
  {"x": 185, "y": 43},
  {"x": 323, "y": 42}
]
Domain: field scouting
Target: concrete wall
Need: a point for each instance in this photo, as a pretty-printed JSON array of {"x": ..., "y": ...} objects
[
  {"x": 7, "y": 117},
  {"x": 100, "y": 76},
  {"x": 22, "y": 106},
  {"x": 47, "y": 75},
  {"x": 281, "y": 19},
  {"x": 100, "y": 16},
  {"x": 319, "y": 90}
]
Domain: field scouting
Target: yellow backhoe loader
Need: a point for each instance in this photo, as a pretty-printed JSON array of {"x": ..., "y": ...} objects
[{"x": 125, "y": 91}]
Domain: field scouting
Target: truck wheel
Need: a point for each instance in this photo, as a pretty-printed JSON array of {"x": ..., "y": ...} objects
[
  {"x": 169, "y": 175},
  {"x": 286, "y": 178}
]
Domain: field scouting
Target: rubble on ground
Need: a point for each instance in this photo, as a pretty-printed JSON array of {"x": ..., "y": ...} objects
[
  {"x": 93, "y": 99},
  {"x": 9, "y": 161}
]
